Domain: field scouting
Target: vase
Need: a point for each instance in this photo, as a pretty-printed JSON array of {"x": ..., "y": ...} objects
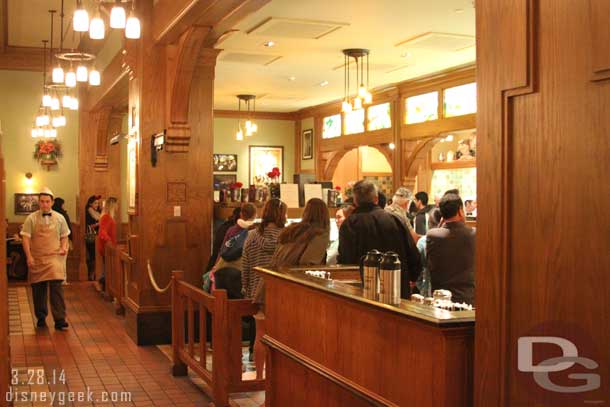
[
  {"x": 245, "y": 195},
  {"x": 274, "y": 191},
  {"x": 252, "y": 193}
]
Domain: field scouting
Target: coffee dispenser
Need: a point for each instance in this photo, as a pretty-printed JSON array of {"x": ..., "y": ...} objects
[
  {"x": 389, "y": 279},
  {"x": 369, "y": 274}
]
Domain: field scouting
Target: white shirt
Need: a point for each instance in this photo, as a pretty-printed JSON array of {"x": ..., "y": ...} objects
[{"x": 30, "y": 223}]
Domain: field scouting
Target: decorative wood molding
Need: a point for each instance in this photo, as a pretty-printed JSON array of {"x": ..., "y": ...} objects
[
  {"x": 347, "y": 142},
  {"x": 337, "y": 379},
  {"x": 102, "y": 121},
  {"x": 172, "y": 18},
  {"x": 435, "y": 127},
  {"x": 599, "y": 22},
  {"x": 452, "y": 165},
  {"x": 234, "y": 114},
  {"x": 21, "y": 59},
  {"x": 114, "y": 90},
  {"x": 3, "y": 25}
]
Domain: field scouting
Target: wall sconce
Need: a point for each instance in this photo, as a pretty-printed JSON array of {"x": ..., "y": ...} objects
[{"x": 156, "y": 144}]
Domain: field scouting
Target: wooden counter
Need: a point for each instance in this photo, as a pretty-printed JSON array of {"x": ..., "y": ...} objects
[
  {"x": 224, "y": 211},
  {"x": 329, "y": 345}
]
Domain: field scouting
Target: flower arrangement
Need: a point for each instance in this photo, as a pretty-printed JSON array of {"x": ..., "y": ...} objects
[
  {"x": 236, "y": 185},
  {"x": 274, "y": 175},
  {"x": 47, "y": 151}
]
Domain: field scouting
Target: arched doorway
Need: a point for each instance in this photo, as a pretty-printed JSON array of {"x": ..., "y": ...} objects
[{"x": 363, "y": 162}]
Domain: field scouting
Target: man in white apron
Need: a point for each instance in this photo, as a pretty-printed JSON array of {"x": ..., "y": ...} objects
[{"x": 45, "y": 243}]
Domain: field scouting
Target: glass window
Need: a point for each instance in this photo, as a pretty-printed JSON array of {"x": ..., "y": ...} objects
[
  {"x": 379, "y": 117},
  {"x": 460, "y": 100},
  {"x": 422, "y": 108},
  {"x": 354, "y": 121},
  {"x": 331, "y": 126}
]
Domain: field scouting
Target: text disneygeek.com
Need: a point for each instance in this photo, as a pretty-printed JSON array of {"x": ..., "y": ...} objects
[{"x": 63, "y": 397}]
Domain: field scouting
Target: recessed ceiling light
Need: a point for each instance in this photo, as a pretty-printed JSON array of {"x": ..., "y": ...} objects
[
  {"x": 292, "y": 78},
  {"x": 269, "y": 44},
  {"x": 323, "y": 83},
  {"x": 458, "y": 10},
  {"x": 406, "y": 54}
]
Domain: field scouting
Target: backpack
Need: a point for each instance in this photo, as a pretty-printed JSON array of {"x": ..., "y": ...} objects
[{"x": 233, "y": 248}]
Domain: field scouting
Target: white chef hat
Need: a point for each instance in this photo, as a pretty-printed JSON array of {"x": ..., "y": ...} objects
[{"x": 46, "y": 191}]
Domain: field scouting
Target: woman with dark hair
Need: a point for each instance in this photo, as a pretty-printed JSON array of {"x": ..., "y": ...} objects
[
  {"x": 58, "y": 206},
  {"x": 92, "y": 217}
]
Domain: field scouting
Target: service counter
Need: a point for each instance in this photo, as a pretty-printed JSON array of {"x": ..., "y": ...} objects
[
  {"x": 329, "y": 345},
  {"x": 224, "y": 211}
]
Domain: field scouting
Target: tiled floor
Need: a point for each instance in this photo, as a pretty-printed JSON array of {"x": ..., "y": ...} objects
[{"x": 94, "y": 359}]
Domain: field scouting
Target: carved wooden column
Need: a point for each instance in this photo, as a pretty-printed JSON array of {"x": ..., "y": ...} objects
[{"x": 5, "y": 364}]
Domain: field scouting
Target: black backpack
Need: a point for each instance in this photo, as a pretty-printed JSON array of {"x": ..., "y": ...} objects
[{"x": 233, "y": 248}]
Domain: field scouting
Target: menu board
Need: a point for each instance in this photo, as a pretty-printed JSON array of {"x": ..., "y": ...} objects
[
  {"x": 290, "y": 195},
  {"x": 312, "y": 191}
]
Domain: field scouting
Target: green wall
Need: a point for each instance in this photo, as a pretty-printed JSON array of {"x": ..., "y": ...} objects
[
  {"x": 270, "y": 133},
  {"x": 21, "y": 93}
]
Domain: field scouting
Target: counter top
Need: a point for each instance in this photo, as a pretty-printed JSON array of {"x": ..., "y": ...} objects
[{"x": 426, "y": 313}]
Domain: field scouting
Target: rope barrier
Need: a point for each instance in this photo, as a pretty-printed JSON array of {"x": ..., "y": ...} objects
[{"x": 154, "y": 282}]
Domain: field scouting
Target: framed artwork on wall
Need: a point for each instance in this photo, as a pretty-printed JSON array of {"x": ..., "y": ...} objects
[
  {"x": 26, "y": 203},
  {"x": 225, "y": 162},
  {"x": 263, "y": 159},
  {"x": 307, "y": 149},
  {"x": 132, "y": 174},
  {"x": 224, "y": 181}
]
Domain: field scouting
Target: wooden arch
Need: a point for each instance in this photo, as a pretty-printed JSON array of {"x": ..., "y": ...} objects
[{"x": 333, "y": 158}]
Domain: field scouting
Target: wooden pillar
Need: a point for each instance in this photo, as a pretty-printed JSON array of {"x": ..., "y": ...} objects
[
  {"x": 5, "y": 364},
  {"x": 172, "y": 90},
  {"x": 543, "y": 79}
]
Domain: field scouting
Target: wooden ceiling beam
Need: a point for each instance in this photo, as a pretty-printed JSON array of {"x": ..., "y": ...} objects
[
  {"x": 21, "y": 59},
  {"x": 222, "y": 19},
  {"x": 234, "y": 114},
  {"x": 172, "y": 18},
  {"x": 3, "y": 25}
]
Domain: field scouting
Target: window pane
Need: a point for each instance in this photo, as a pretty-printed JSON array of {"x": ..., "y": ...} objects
[
  {"x": 379, "y": 117},
  {"x": 354, "y": 121},
  {"x": 460, "y": 100},
  {"x": 332, "y": 126},
  {"x": 422, "y": 108}
]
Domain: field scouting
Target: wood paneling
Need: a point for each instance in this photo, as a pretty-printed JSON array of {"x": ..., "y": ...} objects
[
  {"x": 234, "y": 114},
  {"x": 435, "y": 127},
  {"x": 172, "y": 18},
  {"x": 21, "y": 59},
  {"x": 5, "y": 364},
  {"x": 599, "y": 43},
  {"x": 113, "y": 90},
  {"x": 542, "y": 132}
]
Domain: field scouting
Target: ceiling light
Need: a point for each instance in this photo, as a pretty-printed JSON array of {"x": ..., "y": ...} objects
[
  {"x": 132, "y": 28},
  {"x": 362, "y": 91},
  {"x": 392, "y": 146},
  {"x": 249, "y": 126},
  {"x": 74, "y": 105},
  {"x": 82, "y": 75},
  {"x": 449, "y": 137},
  {"x": 59, "y": 121},
  {"x": 71, "y": 78},
  {"x": 80, "y": 20},
  {"x": 97, "y": 29},
  {"x": 46, "y": 100},
  {"x": 94, "y": 77},
  {"x": 55, "y": 103},
  {"x": 66, "y": 101},
  {"x": 292, "y": 78},
  {"x": 323, "y": 83},
  {"x": 269, "y": 44},
  {"x": 58, "y": 74},
  {"x": 117, "y": 16}
]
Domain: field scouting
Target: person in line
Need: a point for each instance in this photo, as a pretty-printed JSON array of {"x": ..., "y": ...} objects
[
  {"x": 450, "y": 251},
  {"x": 45, "y": 243},
  {"x": 92, "y": 218},
  {"x": 423, "y": 282},
  {"x": 422, "y": 211},
  {"x": 300, "y": 244},
  {"x": 333, "y": 249},
  {"x": 399, "y": 206},
  {"x": 106, "y": 236},
  {"x": 371, "y": 227},
  {"x": 219, "y": 236},
  {"x": 58, "y": 206}
]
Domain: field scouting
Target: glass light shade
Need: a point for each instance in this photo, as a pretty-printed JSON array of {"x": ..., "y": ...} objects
[
  {"x": 132, "y": 28},
  {"x": 74, "y": 105},
  {"x": 82, "y": 74},
  {"x": 59, "y": 121},
  {"x": 80, "y": 21},
  {"x": 66, "y": 101},
  {"x": 362, "y": 91},
  {"x": 248, "y": 124},
  {"x": 42, "y": 120},
  {"x": 346, "y": 106},
  {"x": 392, "y": 146},
  {"x": 240, "y": 135},
  {"x": 34, "y": 132},
  {"x": 58, "y": 75},
  {"x": 94, "y": 77},
  {"x": 71, "y": 79},
  {"x": 449, "y": 137},
  {"x": 248, "y": 132},
  {"x": 254, "y": 127},
  {"x": 368, "y": 98},
  {"x": 117, "y": 17},
  {"x": 97, "y": 29},
  {"x": 50, "y": 133},
  {"x": 55, "y": 103},
  {"x": 46, "y": 100},
  {"x": 357, "y": 103}
]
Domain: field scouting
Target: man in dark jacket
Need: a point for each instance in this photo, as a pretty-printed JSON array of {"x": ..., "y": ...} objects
[
  {"x": 370, "y": 227},
  {"x": 219, "y": 235},
  {"x": 450, "y": 250},
  {"x": 421, "y": 217}
]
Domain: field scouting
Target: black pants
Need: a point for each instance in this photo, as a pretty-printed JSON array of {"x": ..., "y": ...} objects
[
  {"x": 58, "y": 306},
  {"x": 90, "y": 246}
]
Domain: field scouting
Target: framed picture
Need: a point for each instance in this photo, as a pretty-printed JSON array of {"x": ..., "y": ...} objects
[
  {"x": 224, "y": 181},
  {"x": 26, "y": 204},
  {"x": 263, "y": 159},
  {"x": 225, "y": 162},
  {"x": 307, "y": 148},
  {"x": 132, "y": 174}
]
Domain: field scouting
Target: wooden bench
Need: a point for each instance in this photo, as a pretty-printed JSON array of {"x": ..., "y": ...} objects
[{"x": 224, "y": 376}]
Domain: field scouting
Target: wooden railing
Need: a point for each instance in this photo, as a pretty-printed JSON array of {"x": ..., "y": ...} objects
[
  {"x": 117, "y": 264},
  {"x": 224, "y": 375}
]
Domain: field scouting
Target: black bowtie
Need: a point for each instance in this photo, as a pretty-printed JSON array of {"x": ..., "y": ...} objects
[{"x": 46, "y": 214}]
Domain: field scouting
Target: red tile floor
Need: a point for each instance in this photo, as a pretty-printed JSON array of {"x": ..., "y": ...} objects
[{"x": 94, "y": 359}]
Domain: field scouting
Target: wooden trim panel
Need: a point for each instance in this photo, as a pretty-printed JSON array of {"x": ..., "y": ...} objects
[{"x": 234, "y": 114}]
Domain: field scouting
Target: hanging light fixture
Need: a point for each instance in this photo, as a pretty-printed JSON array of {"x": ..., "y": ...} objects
[
  {"x": 132, "y": 27},
  {"x": 80, "y": 21},
  {"x": 94, "y": 77},
  {"x": 249, "y": 127},
  {"x": 117, "y": 16},
  {"x": 82, "y": 74},
  {"x": 97, "y": 29},
  {"x": 362, "y": 95}
]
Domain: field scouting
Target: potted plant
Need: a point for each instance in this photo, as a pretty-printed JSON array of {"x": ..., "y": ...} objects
[
  {"x": 274, "y": 182},
  {"x": 47, "y": 152}
]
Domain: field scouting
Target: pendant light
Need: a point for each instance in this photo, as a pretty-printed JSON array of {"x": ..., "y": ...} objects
[
  {"x": 132, "y": 27},
  {"x": 82, "y": 74},
  {"x": 249, "y": 127},
  {"x": 80, "y": 22},
  {"x": 97, "y": 29},
  {"x": 94, "y": 77},
  {"x": 363, "y": 95},
  {"x": 71, "y": 78},
  {"x": 117, "y": 16}
]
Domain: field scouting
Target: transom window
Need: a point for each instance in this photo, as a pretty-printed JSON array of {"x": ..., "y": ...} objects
[
  {"x": 379, "y": 117},
  {"x": 460, "y": 100},
  {"x": 422, "y": 108},
  {"x": 354, "y": 121},
  {"x": 331, "y": 126}
]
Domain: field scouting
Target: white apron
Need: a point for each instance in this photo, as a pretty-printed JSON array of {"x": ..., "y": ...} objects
[{"x": 44, "y": 246}]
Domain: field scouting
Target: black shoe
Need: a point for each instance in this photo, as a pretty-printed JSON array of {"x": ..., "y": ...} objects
[
  {"x": 61, "y": 325},
  {"x": 42, "y": 323}
]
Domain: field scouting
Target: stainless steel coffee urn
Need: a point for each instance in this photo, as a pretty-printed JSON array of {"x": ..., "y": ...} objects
[
  {"x": 389, "y": 279},
  {"x": 369, "y": 273}
]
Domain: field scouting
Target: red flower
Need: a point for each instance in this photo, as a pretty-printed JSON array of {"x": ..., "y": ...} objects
[
  {"x": 238, "y": 185},
  {"x": 270, "y": 174},
  {"x": 276, "y": 169},
  {"x": 338, "y": 188}
]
